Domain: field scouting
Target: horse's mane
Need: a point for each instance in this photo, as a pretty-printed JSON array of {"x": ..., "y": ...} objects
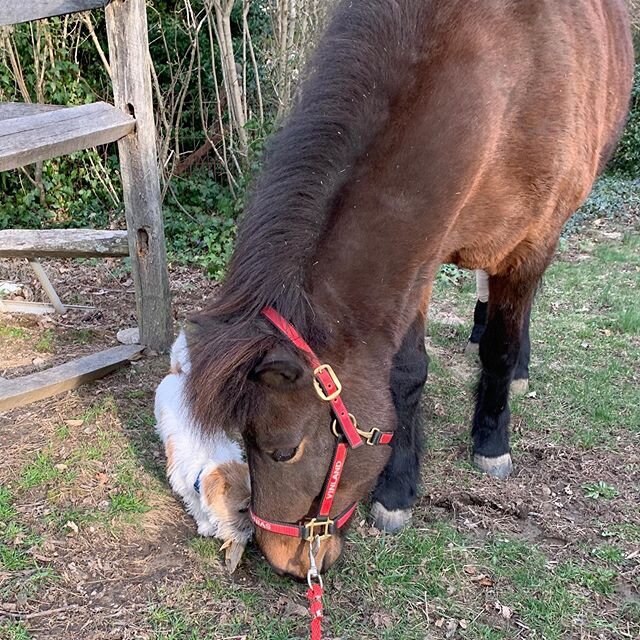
[{"x": 362, "y": 63}]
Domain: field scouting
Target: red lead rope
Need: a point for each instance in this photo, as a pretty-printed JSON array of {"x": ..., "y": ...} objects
[{"x": 314, "y": 595}]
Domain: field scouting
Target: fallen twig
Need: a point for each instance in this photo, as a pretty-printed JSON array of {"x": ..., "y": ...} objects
[{"x": 37, "y": 614}]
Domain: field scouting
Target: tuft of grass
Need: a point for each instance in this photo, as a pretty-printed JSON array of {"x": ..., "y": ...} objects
[
  {"x": 41, "y": 471},
  {"x": 15, "y": 333},
  {"x": 205, "y": 548},
  {"x": 7, "y": 511},
  {"x": 599, "y": 489},
  {"x": 16, "y": 543},
  {"x": 609, "y": 553},
  {"x": 45, "y": 343},
  {"x": 14, "y": 631},
  {"x": 127, "y": 502},
  {"x": 63, "y": 431},
  {"x": 628, "y": 321},
  {"x": 135, "y": 394},
  {"x": 593, "y": 578},
  {"x": 171, "y": 624}
]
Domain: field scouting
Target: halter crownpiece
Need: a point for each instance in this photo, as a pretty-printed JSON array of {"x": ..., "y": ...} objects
[{"x": 348, "y": 435}]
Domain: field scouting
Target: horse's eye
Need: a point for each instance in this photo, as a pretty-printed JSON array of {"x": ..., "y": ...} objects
[{"x": 283, "y": 455}]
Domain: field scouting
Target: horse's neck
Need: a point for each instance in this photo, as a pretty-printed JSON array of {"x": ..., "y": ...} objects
[{"x": 370, "y": 271}]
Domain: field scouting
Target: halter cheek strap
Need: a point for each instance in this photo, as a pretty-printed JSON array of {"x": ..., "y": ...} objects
[{"x": 348, "y": 435}]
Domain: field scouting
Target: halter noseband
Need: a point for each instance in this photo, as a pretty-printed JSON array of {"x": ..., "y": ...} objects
[{"x": 344, "y": 427}]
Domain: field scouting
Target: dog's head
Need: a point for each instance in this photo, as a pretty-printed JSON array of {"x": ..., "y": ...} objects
[{"x": 226, "y": 493}]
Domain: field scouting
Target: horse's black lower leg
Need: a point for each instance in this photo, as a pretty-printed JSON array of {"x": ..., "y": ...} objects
[
  {"x": 479, "y": 325},
  {"x": 520, "y": 383},
  {"x": 397, "y": 486},
  {"x": 500, "y": 347}
]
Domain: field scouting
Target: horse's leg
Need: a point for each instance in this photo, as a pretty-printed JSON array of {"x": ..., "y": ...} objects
[
  {"x": 479, "y": 313},
  {"x": 397, "y": 486},
  {"x": 520, "y": 383},
  {"x": 509, "y": 302}
]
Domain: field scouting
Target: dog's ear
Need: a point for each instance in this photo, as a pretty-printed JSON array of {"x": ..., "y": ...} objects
[{"x": 214, "y": 485}]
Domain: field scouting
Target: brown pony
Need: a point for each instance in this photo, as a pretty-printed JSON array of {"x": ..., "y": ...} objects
[{"x": 426, "y": 132}]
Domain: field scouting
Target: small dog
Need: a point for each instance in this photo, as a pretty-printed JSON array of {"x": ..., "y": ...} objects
[{"x": 206, "y": 471}]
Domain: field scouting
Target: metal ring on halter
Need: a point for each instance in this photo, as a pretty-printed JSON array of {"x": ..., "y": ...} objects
[{"x": 335, "y": 423}]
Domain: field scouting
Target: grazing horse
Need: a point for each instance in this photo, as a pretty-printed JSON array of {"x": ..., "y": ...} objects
[{"x": 426, "y": 132}]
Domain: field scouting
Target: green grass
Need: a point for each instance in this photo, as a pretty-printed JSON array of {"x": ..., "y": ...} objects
[
  {"x": 46, "y": 341},
  {"x": 81, "y": 336},
  {"x": 127, "y": 502},
  {"x": 16, "y": 542},
  {"x": 550, "y": 599},
  {"x": 15, "y": 333},
  {"x": 599, "y": 489},
  {"x": 585, "y": 357},
  {"x": 168, "y": 624},
  {"x": 14, "y": 631},
  {"x": 105, "y": 406},
  {"x": 41, "y": 471}
]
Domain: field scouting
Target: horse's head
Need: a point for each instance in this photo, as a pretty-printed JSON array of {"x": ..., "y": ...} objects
[{"x": 309, "y": 464}]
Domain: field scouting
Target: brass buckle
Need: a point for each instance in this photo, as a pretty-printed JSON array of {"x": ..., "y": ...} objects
[
  {"x": 335, "y": 424},
  {"x": 323, "y": 525},
  {"x": 334, "y": 379},
  {"x": 370, "y": 437}
]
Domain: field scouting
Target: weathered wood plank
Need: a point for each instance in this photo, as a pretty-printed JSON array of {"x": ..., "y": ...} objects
[
  {"x": 130, "y": 69},
  {"x": 30, "y": 308},
  {"x": 15, "y": 11},
  {"x": 20, "y": 391},
  {"x": 42, "y": 136},
  {"x": 9, "y": 110},
  {"x": 37, "y": 308},
  {"x": 62, "y": 243}
]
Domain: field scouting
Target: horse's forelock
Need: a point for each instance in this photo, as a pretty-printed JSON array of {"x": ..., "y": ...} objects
[{"x": 223, "y": 354}]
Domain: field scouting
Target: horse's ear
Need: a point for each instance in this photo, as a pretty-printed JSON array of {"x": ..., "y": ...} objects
[{"x": 279, "y": 369}]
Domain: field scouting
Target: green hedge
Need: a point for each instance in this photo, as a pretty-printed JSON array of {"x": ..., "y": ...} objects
[{"x": 627, "y": 158}]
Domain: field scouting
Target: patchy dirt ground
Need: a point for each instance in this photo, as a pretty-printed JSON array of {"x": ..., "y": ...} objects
[{"x": 93, "y": 545}]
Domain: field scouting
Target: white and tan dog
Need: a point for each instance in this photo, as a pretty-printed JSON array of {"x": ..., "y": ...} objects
[{"x": 205, "y": 470}]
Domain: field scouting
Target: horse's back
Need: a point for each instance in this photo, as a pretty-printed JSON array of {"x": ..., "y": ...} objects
[{"x": 542, "y": 96}]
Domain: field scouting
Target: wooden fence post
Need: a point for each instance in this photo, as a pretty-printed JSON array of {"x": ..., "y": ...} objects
[{"x": 129, "y": 54}]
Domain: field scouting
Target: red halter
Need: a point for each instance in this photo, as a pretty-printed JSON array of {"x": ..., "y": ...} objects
[{"x": 344, "y": 427}]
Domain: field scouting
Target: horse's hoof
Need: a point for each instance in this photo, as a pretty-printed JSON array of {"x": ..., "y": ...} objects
[
  {"x": 500, "y": 467},
  {"x": 519, "y": 387},
  {"x": 389, "y": 521},
  {"x": 472, "y": 349}
]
